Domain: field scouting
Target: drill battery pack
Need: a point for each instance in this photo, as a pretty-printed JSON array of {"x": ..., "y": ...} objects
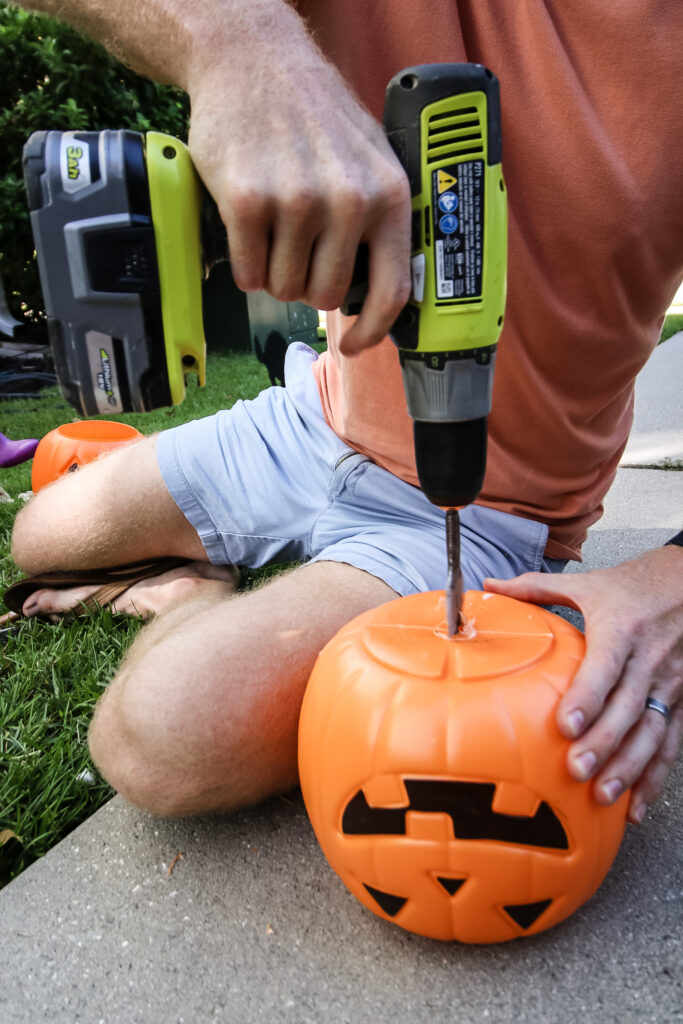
[{"x": 115, "y": 218}]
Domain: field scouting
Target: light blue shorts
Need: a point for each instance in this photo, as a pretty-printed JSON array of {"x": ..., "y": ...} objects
[{"x": 269, "y": 481}]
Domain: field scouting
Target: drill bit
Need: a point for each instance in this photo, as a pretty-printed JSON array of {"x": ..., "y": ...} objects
[{"x": 454, "y": 580}]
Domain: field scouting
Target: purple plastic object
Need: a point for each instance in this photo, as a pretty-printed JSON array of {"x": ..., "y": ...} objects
[{"x": 14, "y": 452}]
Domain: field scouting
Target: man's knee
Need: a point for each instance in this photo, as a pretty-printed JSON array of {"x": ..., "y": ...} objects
[
  {"x": 75, "y": 511},
  {"x": 112, "y": 511},
  {"x": 172, "y": 764},
  {"x": 150, "y": 782},
  {"x": 127, "y": 766},
  {"x": 23, "y": 543}
]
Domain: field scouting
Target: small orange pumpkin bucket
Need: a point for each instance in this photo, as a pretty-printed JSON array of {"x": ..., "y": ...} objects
[
  {"x": 67, "y": 448},
  {"x": 435, "y": 776}
]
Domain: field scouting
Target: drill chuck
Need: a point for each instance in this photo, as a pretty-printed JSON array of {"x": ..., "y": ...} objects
[
  {"x": 449, "y": 399},
  {"x": 455, "y": 385},
  {"x": 451, "y": 460}
]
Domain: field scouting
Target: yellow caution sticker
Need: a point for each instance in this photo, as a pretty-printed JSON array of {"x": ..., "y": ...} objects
[{"x": 445, "y": 181}]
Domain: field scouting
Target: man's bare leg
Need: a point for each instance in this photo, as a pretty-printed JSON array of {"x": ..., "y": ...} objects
[
  {"x": 113, "y": 511},
  {"x": 203, "y": 714}
]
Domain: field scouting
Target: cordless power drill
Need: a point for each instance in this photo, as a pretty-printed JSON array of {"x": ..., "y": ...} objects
[
  {"x": 124, "y": 232},
  {"x": 443, "y": 122}
]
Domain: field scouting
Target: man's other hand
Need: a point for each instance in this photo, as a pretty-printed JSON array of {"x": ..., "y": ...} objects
[{"x": 634, "y": 649}]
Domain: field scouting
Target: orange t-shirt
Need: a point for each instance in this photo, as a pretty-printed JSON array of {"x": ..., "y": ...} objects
[{"x": 592, "y": 109}]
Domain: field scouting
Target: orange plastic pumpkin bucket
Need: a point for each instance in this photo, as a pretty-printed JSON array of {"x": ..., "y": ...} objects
[
  {"x": 435, "y": 776},
  {"x": 70, "y": 446}
]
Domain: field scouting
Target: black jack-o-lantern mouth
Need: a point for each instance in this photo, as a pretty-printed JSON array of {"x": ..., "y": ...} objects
[{"x": 469, "y": 805}]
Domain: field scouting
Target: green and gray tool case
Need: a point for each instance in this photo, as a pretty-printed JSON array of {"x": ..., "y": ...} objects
[{"x": 118, "y": 216}]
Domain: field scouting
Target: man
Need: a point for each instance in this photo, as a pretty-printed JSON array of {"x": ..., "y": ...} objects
[{"x": 203, "y": 714}]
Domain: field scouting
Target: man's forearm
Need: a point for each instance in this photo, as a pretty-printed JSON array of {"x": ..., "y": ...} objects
[
  {"x": 173, "y": 41},
  {"x": 296, "y": 209}
]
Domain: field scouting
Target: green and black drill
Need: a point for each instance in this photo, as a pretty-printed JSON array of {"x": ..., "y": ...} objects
[
  {"x": 124, "y": 233},
  {"x": 443, "y": 122}
]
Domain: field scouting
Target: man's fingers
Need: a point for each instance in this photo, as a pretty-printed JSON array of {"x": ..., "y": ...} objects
[
  {"x": 634, "y": 754},
  {"x": 605, "y": 707},
  {"x": 331, "y": 267},
  {"x": 389, "y": 281},
  {"x": 633, "y": 650},
  {"x": 614, "y": 753},
  {"x": 649, "y": 785},
  {"x": 539, "y": 588},
  {"x": 303, "y": 245},
  {"x": 248, "y": 219},
  {"x": 606, "y": 653},
  {"x": 608, "y": 650},
  {"x": 615, "y": 717},
  {"x": 293, "y": 238},
  {"x": 388, "y": 293}
]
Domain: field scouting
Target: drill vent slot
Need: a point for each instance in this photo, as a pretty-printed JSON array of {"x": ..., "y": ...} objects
[{"x": 452, "y": 136}]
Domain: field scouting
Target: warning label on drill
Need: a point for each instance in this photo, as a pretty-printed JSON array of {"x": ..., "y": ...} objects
[{"x": 458, "y": 226}]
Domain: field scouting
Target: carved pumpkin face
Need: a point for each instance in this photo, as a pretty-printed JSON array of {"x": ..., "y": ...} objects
[{"x": 435, "y": 776}]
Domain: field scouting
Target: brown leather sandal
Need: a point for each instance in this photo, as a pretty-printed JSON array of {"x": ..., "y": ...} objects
[{"x": 111, "y": 584}]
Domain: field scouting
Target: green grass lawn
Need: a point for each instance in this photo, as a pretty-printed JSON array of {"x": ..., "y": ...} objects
[
  {"x": 52, "y": 675},
  {"x": 672, "y": 325}
]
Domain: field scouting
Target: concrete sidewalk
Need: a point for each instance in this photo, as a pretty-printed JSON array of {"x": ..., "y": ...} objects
[
  {"x": 657, "y": 434},
  {"x": 251, "y": 924}
]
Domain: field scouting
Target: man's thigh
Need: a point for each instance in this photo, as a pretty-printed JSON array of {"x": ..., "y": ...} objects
[
  {"x": 203, "y": 714},
  {"x": 112, "y": 511},
  {"x": 387, "y": 527},
  {"x": 270, "y": 481}
]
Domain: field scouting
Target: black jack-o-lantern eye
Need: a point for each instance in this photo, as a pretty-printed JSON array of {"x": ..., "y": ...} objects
[
  {"x": 523, "y": 914},
  {"x": 435, "y": 775}
]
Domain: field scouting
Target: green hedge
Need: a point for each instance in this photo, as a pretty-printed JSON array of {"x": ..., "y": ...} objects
[{"x": 53, "y": 77}]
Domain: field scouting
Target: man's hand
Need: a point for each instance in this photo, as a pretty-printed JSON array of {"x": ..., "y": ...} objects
[
  {"x": 300, "y": 171},
  {"x": 301, "y": 174},
  {"x": 634, "y": 649}
]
